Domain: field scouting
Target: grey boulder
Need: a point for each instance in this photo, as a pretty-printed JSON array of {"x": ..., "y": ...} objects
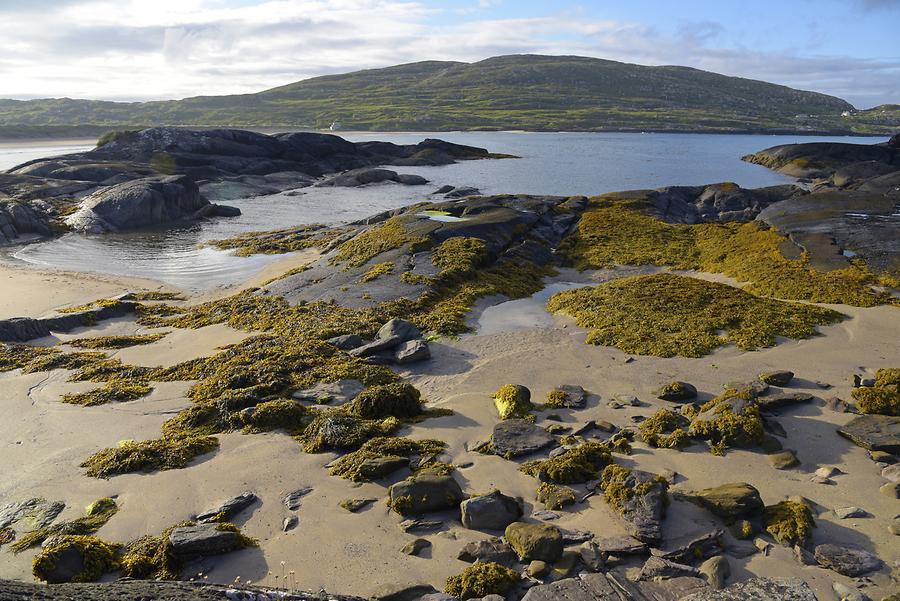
[
  {"x": 202, "y": 540},
  {"x": 424, "y": 493},
  {"x": 516, "y": 437},
  {"x": 229, "y": 508},
  {"x": 849, "y": 561},
  {"x": 493, "y": 511}
]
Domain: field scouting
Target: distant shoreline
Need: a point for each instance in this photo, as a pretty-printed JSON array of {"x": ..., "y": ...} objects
[{"x": 90, "y": 133}]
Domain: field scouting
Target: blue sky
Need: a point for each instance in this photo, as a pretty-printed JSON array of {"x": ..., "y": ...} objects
[{"x": 150, "y": 49}]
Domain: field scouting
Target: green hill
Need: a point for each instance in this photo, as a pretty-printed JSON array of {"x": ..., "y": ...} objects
[{"x": 506, "y": 92}]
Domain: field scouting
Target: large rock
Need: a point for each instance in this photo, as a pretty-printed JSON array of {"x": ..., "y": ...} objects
[
  {"x": 874, "y": 432},
  {"x": 849, "y": 561},
  {"x": 516, "y": 437},
  {"x": 362, "y": 177},
  {"x": 399, "y": 329},
  {"x": 643, "y": 512},
  {"x": 758, "y": 589},
  {"x": 728, "y": 501},
  {"x": 677, "y": 392},
  {"x": 535, "y": 541},
  {"x": 203, "y": 540},
  {"x": 138, "y": 204},
  {"x": 493, "y": 511},
  {"x": 18, "y": 219},
  {"x": 412, "y": 351},
  {"x": 424, "y": 493}
]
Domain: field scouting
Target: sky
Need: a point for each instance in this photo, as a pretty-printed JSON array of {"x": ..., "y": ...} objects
[{"x": 161, "y": 49}]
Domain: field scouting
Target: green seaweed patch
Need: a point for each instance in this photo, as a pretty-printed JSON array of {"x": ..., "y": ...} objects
[
  {"x": 367, "y": 245},
  {"x": 459, "y": 255},
  {"x": 96, "y": 515},
  {"x": 717, "y": 422},
  {"x": 884, "y": 397},
  {"x": 665, "y": 429},
  {"x": 575, "y": 466},
  {"x": 155, "y": 295},
  {"x": 789, "y": 522},
  {"x": 115, "y": 342},
  {"x": 481, "y": 579},
  {"x": 554, "y": 496},
  {"x": 337, "y": 431},
  {"x": 287, "y": 415},
  {"x": 354, "y": 466},
  {"x": 668, "y": 315},
  {"x": 619, "y": 230},
  {"x": 376, "y": 271},
  {"x": 168, "y": 452},
  {"x": 112, "y": 392},
  {"x": 619, "y": 486},
  {"x": 99, "y": 557},
  {"x": 97, "y": 304},
  {"x": 281, "y": 241},
  {"x": 42, "y": 358}
]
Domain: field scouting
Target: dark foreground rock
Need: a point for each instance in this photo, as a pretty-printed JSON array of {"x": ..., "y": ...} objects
[
  {"x": 203, "y": 540},
  {"x": 613, "y": 586},
  {"x": 23, "y": 329},
  {"x": 145, "y": 590},
  {"x": 517, "y": 437}
]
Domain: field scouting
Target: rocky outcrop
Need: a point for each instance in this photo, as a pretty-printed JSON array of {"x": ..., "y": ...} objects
[
  {"x": 535, "y": 541},
  {"x": 23, "y": 329},
  {"x": 18, "y": 219},
  {"x": 728, "y": 501},
  {"x": 758, "y": 588},
  {"x": 139, "y": 204},
  {"x": 873, "y": 432},
  {"x": 823, "y": 159},
  {"x": 363, "y": 177},
  {"x": 849, "y": 561},
  {"x": 202, "y": 540}
]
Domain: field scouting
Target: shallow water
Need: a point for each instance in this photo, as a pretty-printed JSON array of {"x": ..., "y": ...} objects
[
  {"x": 523, "y": 313},
  {"x": 16, "y": 153},
  {"x": 550, "y": 163}
]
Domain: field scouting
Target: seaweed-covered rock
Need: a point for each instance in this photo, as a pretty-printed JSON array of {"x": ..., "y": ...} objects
[
  {"x": 389, "y": 400},
  {"x": 640, "y": 497},
  {"x": 423, "y": 493},
  {"x": 489, "y": 550},
  {"x": 849, "y": 561},
  {"x": 516, "y": 437},
  {"x": 574, "y": 465},
  {"x": 513, "y": 400},
  {"x": 678, "y": 392},
  {"x": 728, "y": 501},
  {"x": 493, "y": 511},
  {"x": 567, "y": 396},
  {"x": 481, "y": 580},
  {"x": 789, "y": 522},
  {"x": 554, "y": 496},
  {"x": 70, "y": 558},
  {"x": 535, "y": 541}
]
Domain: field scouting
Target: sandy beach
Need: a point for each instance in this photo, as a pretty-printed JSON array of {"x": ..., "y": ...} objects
[{"x": 43, "y": 441}]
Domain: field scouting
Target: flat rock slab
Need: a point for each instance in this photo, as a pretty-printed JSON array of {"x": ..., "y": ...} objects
[
  {"x": 229, "y": 508},
  {"x": 849, "y": 561},
  {"x": 490, "y": 550},
  {"x": 622, "y": 545},
  {"x": 775, "y": 402},
  {"x": 516, "y": 437},
  {"x": 874, "y": 432},
  {"x": 759, "y": 589},
  {"x": 203, "y": 540},
  {"x": 292, "y": 500}
]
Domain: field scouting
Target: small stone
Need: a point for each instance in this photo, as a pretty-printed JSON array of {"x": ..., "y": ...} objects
[
  {"x": 783, "y": 460},
  {"x": 535, "y": 541},
  {"x": 881, "y": 457},
  {"x": 823, "y": 385},
  {"x": 593, "y": 558},
  {"x": 346, "y": 342},
  {"x": 418, "y": 525},
  {"x": 415, "y": 547},
  {"x": 821, "y": 480},
  {"x": 289, "y": 523},
  {"x": 755, "y": 388},
  {"x": 891, "y": 473},
  {"x": 670, "y": 476},
  {"x": 845, "y": 593},
  {"x": 229, "y": 508},
  {"x": 545, "y": 514},
  {"x": 627, "y": 400},
  {"x": 849, "y": 512},
  {"x": 777, "y": 378},
  {"x": 716, "y": 571},
  {"x": 804, "y": 557},
  {"x": 762, "y": 546},
  {"x": 677, "y": 392},
  {"x": 614, "y": 404},
  {"x": 827, "y": 471},
  {"x": 355, "y": 505},
  {"x": 538, "y": 568},
  {"x": 573, "y": 537},
  {"x": 839, "y": 405},
  {"x": 891, "y": 489},
  {"x": 657, "y": 568},
  {"x": 292, "y": 499}
]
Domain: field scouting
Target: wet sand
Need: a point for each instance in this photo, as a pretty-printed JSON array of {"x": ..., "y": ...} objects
[{"x": 42, "y": 441}]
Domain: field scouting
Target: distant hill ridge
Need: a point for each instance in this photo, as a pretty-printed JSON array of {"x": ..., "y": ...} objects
[{"x": 531, "y": 92}]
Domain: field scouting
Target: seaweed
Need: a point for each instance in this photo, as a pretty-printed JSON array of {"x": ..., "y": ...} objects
[
  {"x": 884, "y": 397},
  {"x": 665, "y": 429},
  {"x": 334, "y": 430},
  {"x": 481, "y": 579},
  {"x": 376, "y": 271},
  {"x": 353, "y": 466},
  {"x": 276, "y": 242},
  {"x": 99, "y": 557},
  {"x": 619, "y": 230},
  {"x": 724, "y": 428},
  {"x": 789, "y": 522},
  {"x": 554, "y": 496},
  {"x": 389, "y": 235},
  {"x": 397, "y": 399},
  {"x": 668, "y": 315},
  {"x": 513, "y": 401},
  {"x": 576, "y": 465},
  {"x": 287, "y": 415},
  {"x": 168, "y": 452},
  {"x": 112, "y": 392},
  {"x": 115, "y": 342},
  {"x": 96, "y": 515},
  {"x": 458, "y": 256}
]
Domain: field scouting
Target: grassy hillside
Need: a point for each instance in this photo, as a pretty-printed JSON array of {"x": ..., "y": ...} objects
[{"x": 506, "y": 92}]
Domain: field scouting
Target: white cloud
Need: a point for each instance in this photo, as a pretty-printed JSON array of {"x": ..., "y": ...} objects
[{"x": 135, "y": 49}]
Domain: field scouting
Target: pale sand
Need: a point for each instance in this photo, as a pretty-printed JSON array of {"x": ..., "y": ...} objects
[{"x": 43, "y": 441}]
